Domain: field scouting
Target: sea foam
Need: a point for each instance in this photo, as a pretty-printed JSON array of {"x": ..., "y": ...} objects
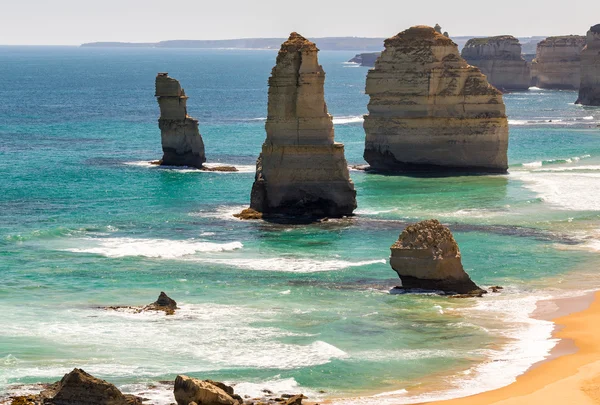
[{"x": 288, "y": 264}]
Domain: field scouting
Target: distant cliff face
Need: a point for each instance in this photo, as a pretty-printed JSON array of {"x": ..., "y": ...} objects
[
  {"x": 557, "y": 64},
  {"x": 430, "y": 110},
  {"x": 366, "y": 59},
  {"x": 589, "y": 89},
  {"x": 500, "y": 59}
]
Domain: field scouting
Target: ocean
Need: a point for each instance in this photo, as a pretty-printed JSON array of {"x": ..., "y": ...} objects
[{"x": 86, "y": 222}]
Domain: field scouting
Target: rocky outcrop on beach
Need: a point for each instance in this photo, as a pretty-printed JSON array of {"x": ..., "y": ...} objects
[
  {"x": 366, "y": 59},
  {"x": 589, "y": 89},
  {"x": 426, "y": 256},
  {"x": 557, "y": 64},
  {"x": 431, "y": 110},
  {"x": 189, "y": 390},
  {"x": 302, "y": 171},
  {"x": 80, "y": 388},
  {"x": 181, "y": 140},
  {"x": 500, "y": 59},
  {"x": 164, "y": 303}
]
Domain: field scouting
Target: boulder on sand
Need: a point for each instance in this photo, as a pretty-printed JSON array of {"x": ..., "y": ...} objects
[
  {"x": 426, "y": 256},
  {"x": 188, "y": 390}
]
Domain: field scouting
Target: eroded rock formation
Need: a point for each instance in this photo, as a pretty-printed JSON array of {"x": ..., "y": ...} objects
[
  {"x": 426, "y": 256},
  {"x": 301, "y": 170},
  {"x": 500, "y": 59},
  {"x": 366, "y": 59},
  {"x": 181, "y": 140},
  {"x": 589, "y": 89},
  {"x": 80, "y": 388},
  {"x": 557, "y": 64},
  {"x": 191, "y": 390},
  {"x": 431, "y": 110}
]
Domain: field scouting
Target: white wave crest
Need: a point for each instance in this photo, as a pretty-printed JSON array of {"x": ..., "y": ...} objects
[
  {"x": 184, "y": 169},
  {"x": 288, "y": 264},
  {"x": 348, "y": 120},
  {"x": 159, "y": 248}
]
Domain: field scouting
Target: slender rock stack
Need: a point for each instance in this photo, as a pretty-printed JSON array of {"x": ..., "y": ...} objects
[
  {"x": 426, "y": 256},
  {"x": 589, "y": 90},
  {"x": 500, "y": 59},
  {"x": 301, "y": 170},
  {"x": 557, "y": 64},
  {"x": 181, "y": 140},
  {"x": 431, "y": 110}
]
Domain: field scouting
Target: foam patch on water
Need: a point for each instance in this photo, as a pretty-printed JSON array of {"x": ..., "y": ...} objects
[
  {"x": 289, "y": 264},
  {"x": 554, "y": 122},
  {"x": 529, "y": 341},
  {"x": 184, "y": 169},
  {"x": 348, "y": 120},
  {"x": 222, "y": 212},
  {"x": 540, "y": 163},
  {"x": 158, "y": 248}
]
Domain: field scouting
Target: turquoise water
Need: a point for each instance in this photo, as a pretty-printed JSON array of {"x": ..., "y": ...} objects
[{"x": 86, "y": 222}]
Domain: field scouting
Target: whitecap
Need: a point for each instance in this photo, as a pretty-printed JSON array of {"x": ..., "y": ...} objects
[
  {"x": 157, "y": 248},
  {"x": 288, "y": 264},
  {"x": 348, "y": 120}
]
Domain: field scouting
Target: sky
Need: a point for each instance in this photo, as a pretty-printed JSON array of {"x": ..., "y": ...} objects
[{"x": 72, "y": 22}]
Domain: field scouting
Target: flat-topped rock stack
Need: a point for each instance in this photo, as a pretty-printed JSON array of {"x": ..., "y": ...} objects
[
  {"x": 557, "y": 64},
  {"x": 500, "y": 59},
  {"x": 182, "y": 143},
  {"x": 301, "y": 170},
  {"x": 589, "y": 89},
  {"x": 431, "y": 111}
]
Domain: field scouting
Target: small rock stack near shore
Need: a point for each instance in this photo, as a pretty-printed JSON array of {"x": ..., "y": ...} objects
[
  {"x": 557, "y": 64},
  {"x": 301, "y": 170},
  {"x": 500, "y": 59},
  {"x": 430, "y": 110},
  {"x": 589, "y": 88},
  {"x": 182, "y": 143}
]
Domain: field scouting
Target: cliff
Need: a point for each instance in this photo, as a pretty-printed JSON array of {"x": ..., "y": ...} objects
[
  {"x": 366, "y": 59},
  {"x": 301, "y": 170},
  {"x": 557, "y": 64},
  {"x": 182, "y": 143},
  {"x": 589, "y": 89},
  {"x": 431, "y": 110},
  {"x": 500, "y": 59}
]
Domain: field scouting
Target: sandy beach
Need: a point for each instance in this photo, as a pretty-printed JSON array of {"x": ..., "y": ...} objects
[{"x": 571, "y": 375}]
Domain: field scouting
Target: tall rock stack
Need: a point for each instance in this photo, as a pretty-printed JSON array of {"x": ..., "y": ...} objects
[
  {"x": 557, "y": 64},
  {"x": 430, "y": 110},
  {"x": 181, "y": 140},
  {"x": 589, "y": 90},
  {"x": 301, "y": 170},
  {"x": 500, "y": 59}
]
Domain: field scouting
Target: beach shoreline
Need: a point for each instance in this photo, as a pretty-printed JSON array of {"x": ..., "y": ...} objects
[{"x": 571, "y": 374}]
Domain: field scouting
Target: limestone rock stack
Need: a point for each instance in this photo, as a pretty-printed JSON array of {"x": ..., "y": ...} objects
[
  {"x": 589, "y": 90},
  {"x": 426, "y": 256},
  {"x": 500, "y": 59},
  {"x": 431, "y": 110},
  {"x": 181, "y": 140},
  {"x": 301, "y": 170},
  {"x": 557, "y": 64}
]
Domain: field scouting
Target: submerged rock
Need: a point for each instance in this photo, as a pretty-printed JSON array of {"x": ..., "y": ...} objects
[
  {"x": 589, "y": 89},
  {"x": 181, "y": 140},
  {"x": 426, "y": 256},
  {"x": 188, "y": 390},
  {"x": 249, "y": 213},
  {"x": 301, "y": 171},
  {"x": 500, "y": 59},
  {"x": 557, "y": 64},
  {"x": 431, "y": 111}
]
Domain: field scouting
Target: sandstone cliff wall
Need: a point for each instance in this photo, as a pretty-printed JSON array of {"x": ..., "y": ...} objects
[
  {"x": 500, "y": 59},
  {"x": 301, "y": 170},
  {"x": 431, "y": 110},
  {"x": 181, "y": 140},
  {"x": 557, "y": 64},
  {"x": 589, "y": 89}
]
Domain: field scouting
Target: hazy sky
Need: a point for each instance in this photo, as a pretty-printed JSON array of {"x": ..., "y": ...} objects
[{"x": 67, "y": 22}]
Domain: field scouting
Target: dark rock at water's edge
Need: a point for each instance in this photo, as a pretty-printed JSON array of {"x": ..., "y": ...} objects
[
  {"x": 366, "y": 59},
  {"x": 589, "y": 89},
  {"x": 427, "y": 257},
  {"x": 182, "y": 143},
  {"x": 203, "y": 168},
  {"x": 301, "y": 172},
  {"x": 79, "y": 388},
  {"x": 163, "y": 303}
]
